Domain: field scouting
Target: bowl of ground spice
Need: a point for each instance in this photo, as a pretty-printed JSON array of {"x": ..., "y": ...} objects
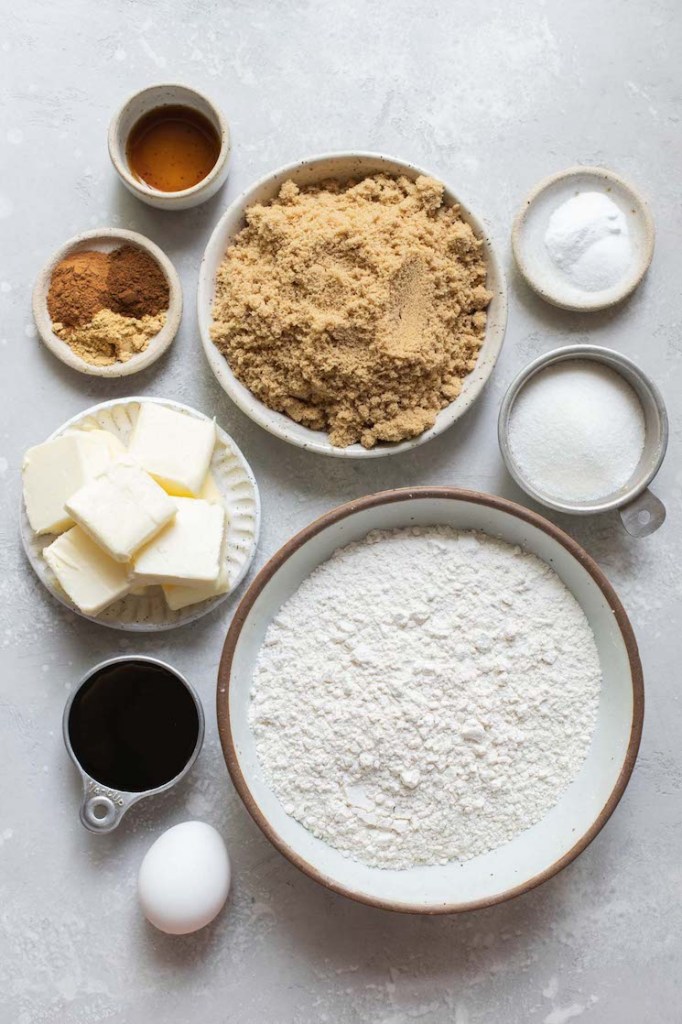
[
  {"x": 108, "y": 303},
  {"x": 352, "y": 305}
]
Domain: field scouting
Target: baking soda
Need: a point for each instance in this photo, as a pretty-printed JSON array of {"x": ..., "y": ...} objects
[{"x": 588, "y": 239}]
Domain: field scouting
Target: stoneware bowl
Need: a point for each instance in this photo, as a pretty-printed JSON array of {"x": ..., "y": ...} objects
[
  {"x": 139, "y": 104},
  {"x": 533, "y": 856},
  {"x": 641, "y": 512},
  {"x": 106, "y": 240},
  {"x": 146, "y": 611},
  {"x": 307, "y": 172},
  {"x": 528, "y": 237}
]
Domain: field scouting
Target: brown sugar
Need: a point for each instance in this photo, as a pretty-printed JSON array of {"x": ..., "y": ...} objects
[{"x": 354, "y": 307}]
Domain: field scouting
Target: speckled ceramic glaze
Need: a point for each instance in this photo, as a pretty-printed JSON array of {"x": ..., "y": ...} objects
[
  {"x": 531, "y": 221},
  {"x": 307, "y": 172},
  {"x": 106, "y": 240}
]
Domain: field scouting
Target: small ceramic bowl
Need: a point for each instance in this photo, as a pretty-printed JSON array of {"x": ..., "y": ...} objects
[
  {"x": 308, "y": 172},
  {"x": 641, "y": 512},
  {"x": 530, "y": 225},
  {"x": 530, "y": 857},
  {"x": 139, "y": 104},
  {"x": 106, "y": 240}
]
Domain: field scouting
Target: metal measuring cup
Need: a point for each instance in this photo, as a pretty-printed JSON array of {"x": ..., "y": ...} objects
[
  {"x": 103, "y": 807},
  {"x": 641, "y": 512}
]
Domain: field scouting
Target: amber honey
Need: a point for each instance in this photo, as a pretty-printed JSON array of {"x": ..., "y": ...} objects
[{"x": 172, "y": 148}]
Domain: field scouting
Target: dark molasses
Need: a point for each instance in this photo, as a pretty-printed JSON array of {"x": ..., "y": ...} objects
[{"x": 133, "y": 726}]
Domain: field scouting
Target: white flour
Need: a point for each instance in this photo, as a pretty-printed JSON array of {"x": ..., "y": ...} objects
[{"x": 424, "y": 696}]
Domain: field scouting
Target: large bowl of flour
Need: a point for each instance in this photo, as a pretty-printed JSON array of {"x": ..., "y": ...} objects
[{"x": 430, "y": 700}]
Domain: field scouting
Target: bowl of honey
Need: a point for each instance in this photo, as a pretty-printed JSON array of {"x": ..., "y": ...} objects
[{"x": 170, "y": 146}]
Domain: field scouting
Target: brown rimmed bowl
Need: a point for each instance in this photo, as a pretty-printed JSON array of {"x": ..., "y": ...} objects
[{"x": 533, "y": 856}]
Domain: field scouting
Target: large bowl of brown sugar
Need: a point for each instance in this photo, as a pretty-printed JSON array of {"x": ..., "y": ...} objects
[{"x": 352, "y": 305}]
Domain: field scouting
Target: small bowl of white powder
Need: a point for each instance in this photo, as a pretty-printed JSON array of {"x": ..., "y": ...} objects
[
  {"x": 583, "y": 430},
  {"x": 583, "y": 239}
]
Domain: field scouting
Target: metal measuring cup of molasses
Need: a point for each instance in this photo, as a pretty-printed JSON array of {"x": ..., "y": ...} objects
[
  {"x": 641, "y": 512},
  {"x": 133, "y": 727}
]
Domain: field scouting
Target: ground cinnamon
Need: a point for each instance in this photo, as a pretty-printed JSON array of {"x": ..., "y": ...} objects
[
  {"x": 78, "y": 288},
  {"x": 108, "y": 306},
  {"x": 127, "y": 281}
]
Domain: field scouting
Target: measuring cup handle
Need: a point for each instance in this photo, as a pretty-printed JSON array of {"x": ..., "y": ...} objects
[
  {"x": 644, "y": 515},
  {"x": 102, "y": 809}
]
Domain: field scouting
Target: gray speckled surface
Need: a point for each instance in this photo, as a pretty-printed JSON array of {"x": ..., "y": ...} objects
[{"x": 491, "y": 97}]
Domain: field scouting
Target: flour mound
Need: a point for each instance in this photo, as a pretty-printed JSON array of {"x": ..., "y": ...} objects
[{"x": 425, "y": 695}]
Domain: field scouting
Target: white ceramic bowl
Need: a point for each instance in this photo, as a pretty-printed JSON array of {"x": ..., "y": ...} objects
[
  {"x": 106, "y": 240},
  {"x": 307, "y": 172},
  {"x": 528, "y": 237},
  {"x": 139, "y": 104},
  {"x": 534, "y": 855},
  {"x": 147, "y": 611}
]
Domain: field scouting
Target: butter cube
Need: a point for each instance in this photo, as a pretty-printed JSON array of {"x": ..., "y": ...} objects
[
  {"x": 105, "y": 439},
  {"x": 85, "y": 573},
  {"x": 174, "y": 447},
  {"x": 184, "y": 594},
  {"x": 209, "y": 491},
  {"x": 121, "y": 509},
  {"x": 54, "y": 471},
  {"x": 186, "y": 551}
]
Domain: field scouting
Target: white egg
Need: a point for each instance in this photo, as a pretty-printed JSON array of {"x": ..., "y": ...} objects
[{"x": 184, "y": 878}]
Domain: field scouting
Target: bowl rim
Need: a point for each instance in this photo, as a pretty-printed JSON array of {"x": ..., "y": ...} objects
[
  {"x": 594, "y": 304},
  {"x": 157, "y": 345},
  {"x": 334, "y": 516},
  {"x": 117, "y": 153},
  {"x": 279, "y": 424}
]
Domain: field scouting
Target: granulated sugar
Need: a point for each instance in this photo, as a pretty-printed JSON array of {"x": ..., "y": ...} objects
[
  {"x": 577, "y": 431},
  {"x": 425, "y": 695}
]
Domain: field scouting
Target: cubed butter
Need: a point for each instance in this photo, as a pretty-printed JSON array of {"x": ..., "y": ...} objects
[
  {"x": 85, "y": 573},
  {"x": 106, "y": 440},
  {"x": 182, "y": 595},
  {"x": 209, "y": 491},
  {"x": 186, "y": 551},
  {"x": 54, "y": 471},
  {"x": 121, "y": 509},
  {"x": 174, "y": 447}
]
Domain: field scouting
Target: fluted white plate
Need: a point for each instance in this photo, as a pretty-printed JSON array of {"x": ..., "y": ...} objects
[{"x": 148, "y": 611}]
